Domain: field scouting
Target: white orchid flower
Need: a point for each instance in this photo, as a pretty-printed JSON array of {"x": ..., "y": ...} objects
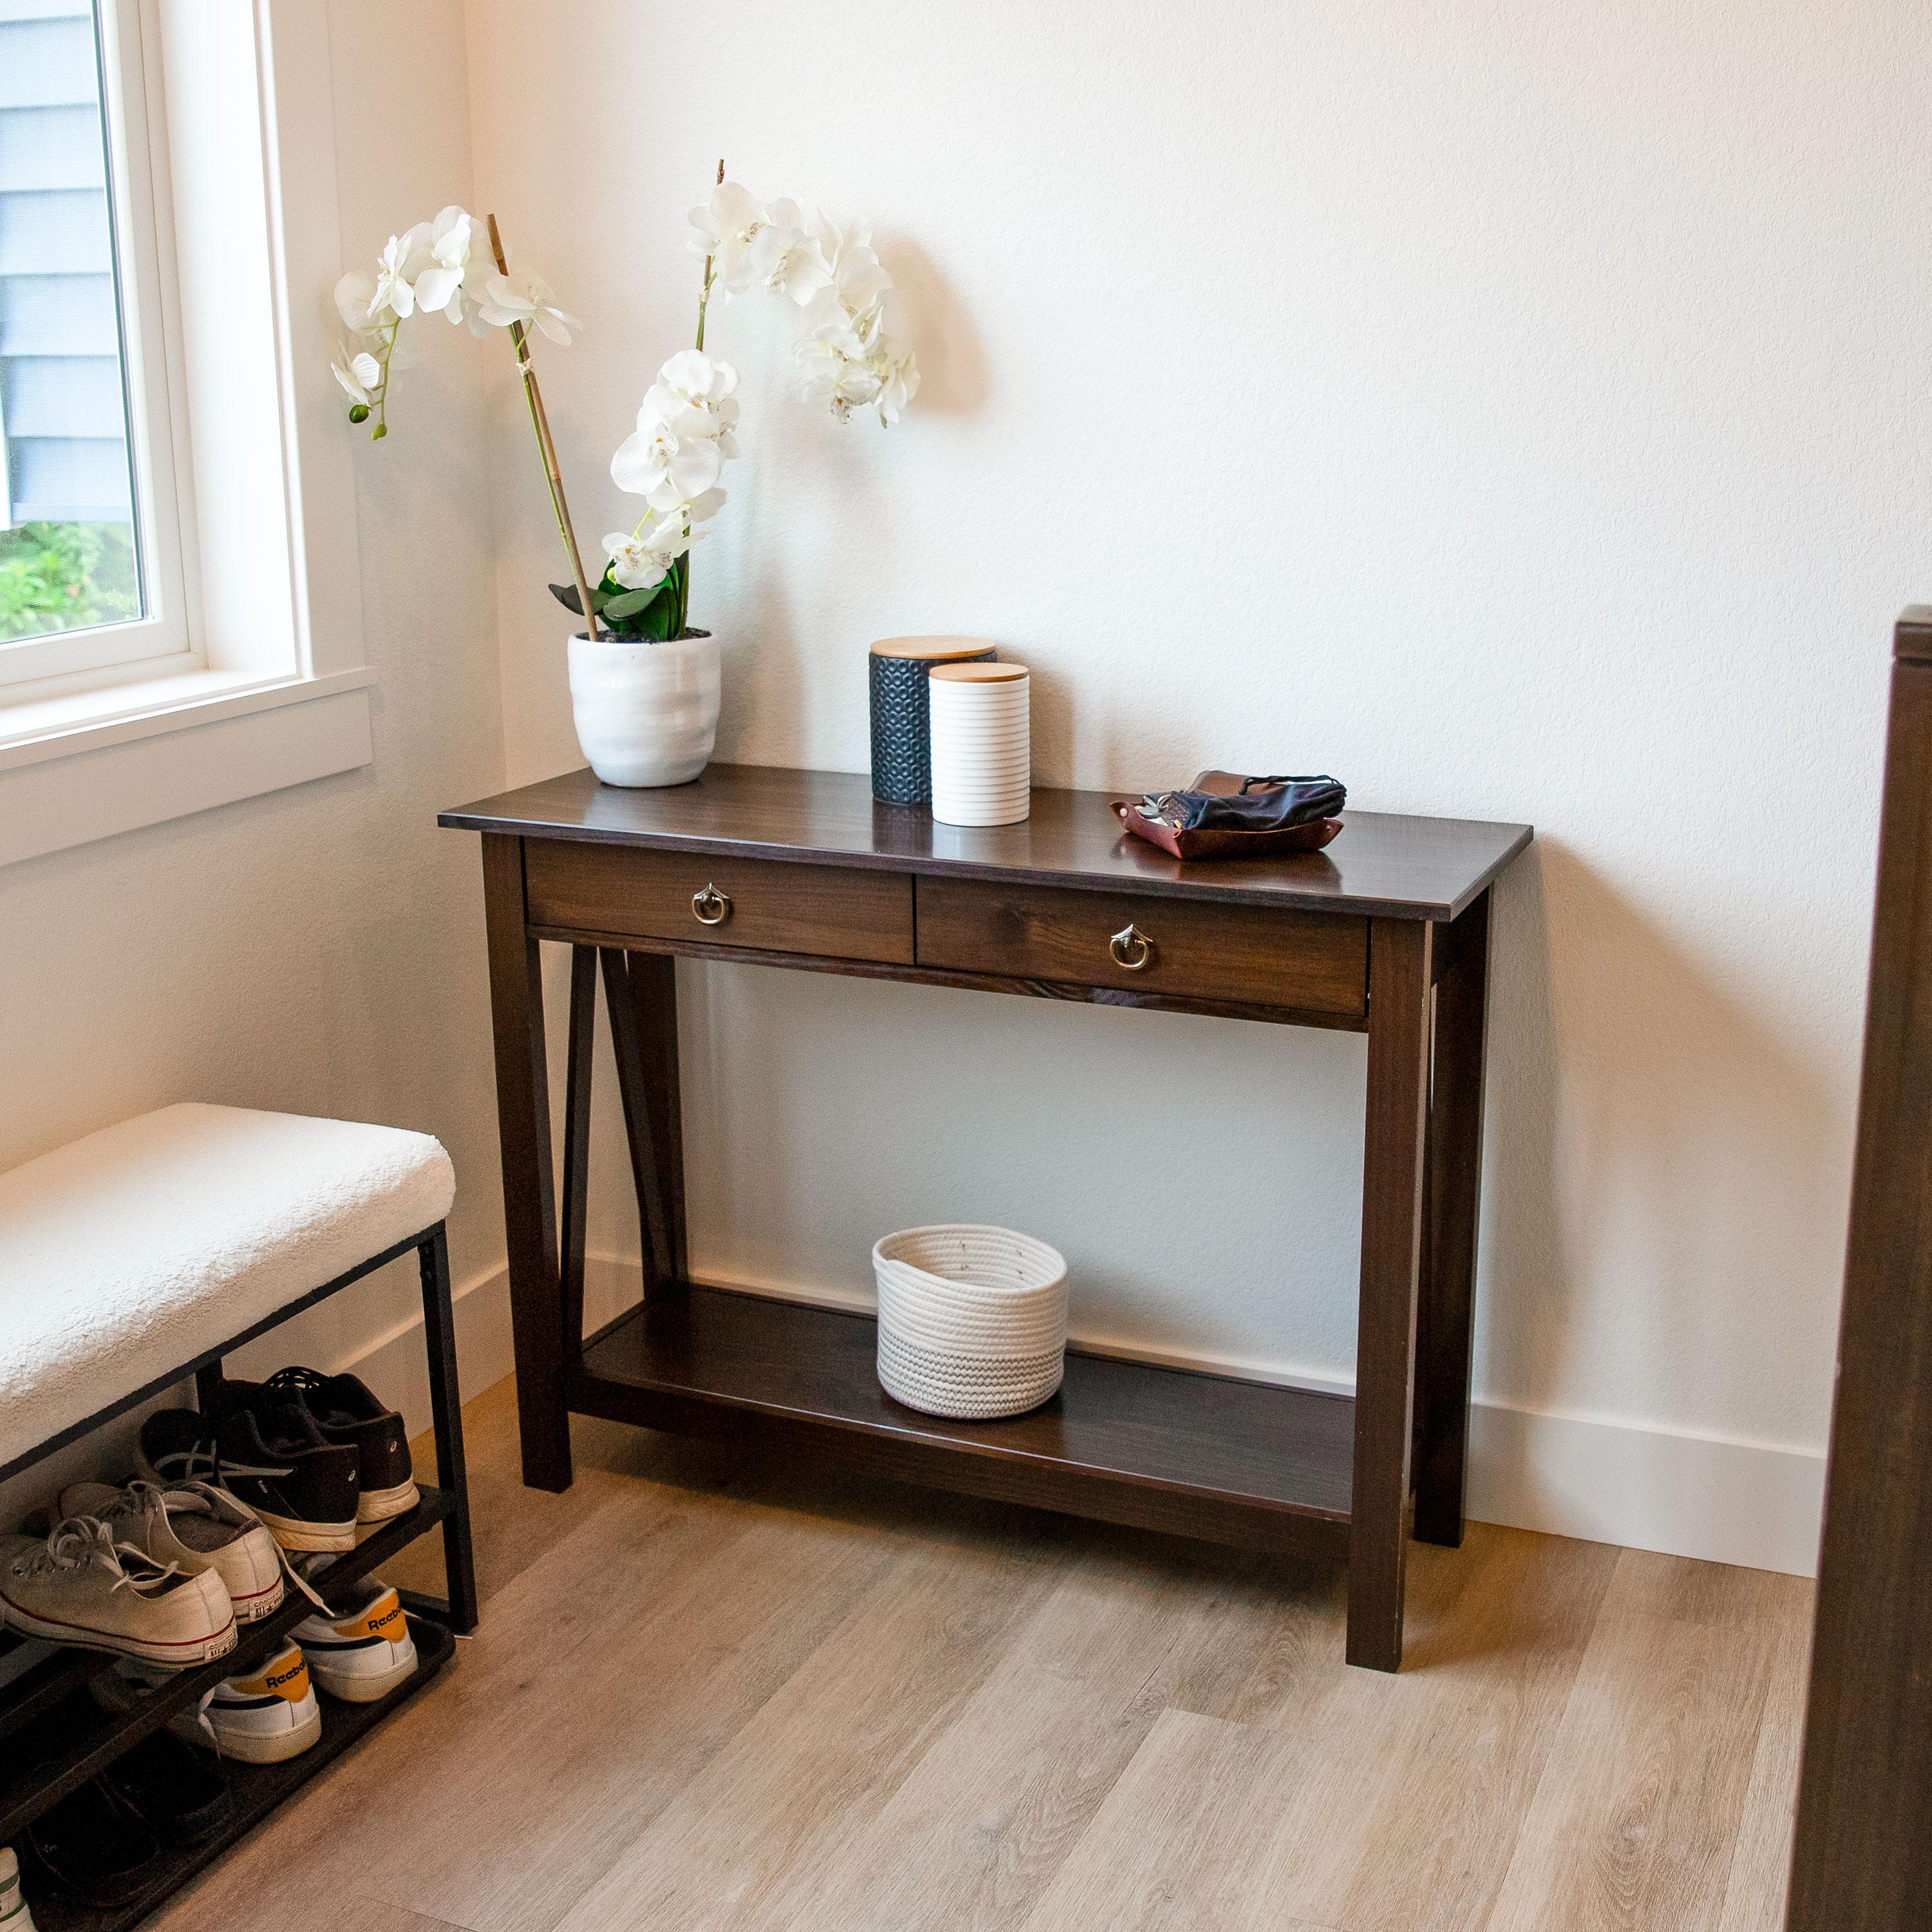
[
  {"x": 523, "y": 295},
  {"x": 723, "y": 229},
  {"x": 858, "y": 280},
  {"x": 470, "y": 306},
  {"x": 695, "y": 377},
  {"x": 404, "y": 258},
  {"x": 655, "y": 456},
  {"x": 667, "y": 504},
  {"x": 354, "y": 295},
  {"x": 450, "y": 236},
  {"x": 360, "y": 374},
  {"x": 898, "y": 385},
  {"x": 841, "y": 372},
  {"x": 784, "y": 260},
  {"x": 642, "y": 563}
]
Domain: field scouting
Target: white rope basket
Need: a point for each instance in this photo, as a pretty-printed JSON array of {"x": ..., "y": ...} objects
[{"x": 972, "y": 1321}]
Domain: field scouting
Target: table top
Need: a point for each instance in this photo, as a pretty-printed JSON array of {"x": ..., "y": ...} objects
[{"x": 1382, "y": 864}]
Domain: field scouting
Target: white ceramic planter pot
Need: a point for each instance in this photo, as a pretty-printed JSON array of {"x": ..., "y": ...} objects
[{"x": 646, "y": 714}]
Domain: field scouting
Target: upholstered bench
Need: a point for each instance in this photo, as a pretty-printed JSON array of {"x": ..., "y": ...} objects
[{"x": 142, "y": 1254}]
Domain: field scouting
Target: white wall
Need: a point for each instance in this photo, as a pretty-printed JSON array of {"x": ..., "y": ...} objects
[
  {"x": 1518, "y": 411},
  {"x": 320, "y": 949}
]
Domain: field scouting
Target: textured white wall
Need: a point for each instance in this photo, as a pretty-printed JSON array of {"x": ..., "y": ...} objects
[
  {"x": 318, "y": 949},
  {"x": 1519, "y": 411}
]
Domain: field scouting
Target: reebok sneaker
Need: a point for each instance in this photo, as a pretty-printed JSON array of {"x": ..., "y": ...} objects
[
  {"x": 360, "y": 1649},
  {"x": 264, "y": 1716}
]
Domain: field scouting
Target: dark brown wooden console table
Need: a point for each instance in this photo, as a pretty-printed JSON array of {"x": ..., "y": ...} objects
[{"x": 1385, "y": 933}]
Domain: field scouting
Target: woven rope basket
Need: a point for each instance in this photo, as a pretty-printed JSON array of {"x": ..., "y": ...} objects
[{"x": 972, "y": 1321}]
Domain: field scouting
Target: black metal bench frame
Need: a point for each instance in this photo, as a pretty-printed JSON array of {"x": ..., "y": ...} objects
[{"x": 43, "y": 1758}]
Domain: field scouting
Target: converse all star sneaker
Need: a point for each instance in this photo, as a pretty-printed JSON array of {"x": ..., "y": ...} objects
[
  {"x": 274, "y": 1459},
  {"x": 14, "y": 1915},
  {"x": 359, "y": 1648},
  {"x": 80, "y": 1586},
  {"x": 196, "y": 1527},
  {"x": 348, "y": 1412}
]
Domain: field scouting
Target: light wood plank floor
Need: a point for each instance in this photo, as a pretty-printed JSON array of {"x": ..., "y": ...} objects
[{"x": 709, "y": 1694}]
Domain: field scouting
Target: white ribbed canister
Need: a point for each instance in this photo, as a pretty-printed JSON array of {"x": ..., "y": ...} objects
[{"x": 981, "y": 749}]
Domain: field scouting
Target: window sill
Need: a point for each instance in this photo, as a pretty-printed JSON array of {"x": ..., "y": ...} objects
[{"x": 90, "y": 764}]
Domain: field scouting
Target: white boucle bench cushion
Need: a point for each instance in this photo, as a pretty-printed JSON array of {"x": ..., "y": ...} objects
[{"x": 130, "y": 1252}]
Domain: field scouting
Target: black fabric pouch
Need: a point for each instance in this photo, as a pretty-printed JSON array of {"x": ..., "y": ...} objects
[{"x": 1261, "y": 804}]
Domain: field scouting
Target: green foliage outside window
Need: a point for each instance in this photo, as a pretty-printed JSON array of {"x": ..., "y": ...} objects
[{"x": 65, "y": 577}]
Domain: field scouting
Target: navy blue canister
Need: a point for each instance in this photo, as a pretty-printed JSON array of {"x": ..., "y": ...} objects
[{"x": 902, "y": 726}]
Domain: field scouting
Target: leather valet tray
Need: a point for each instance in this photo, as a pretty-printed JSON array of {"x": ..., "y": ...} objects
[{"x": 1220, "y": 843}]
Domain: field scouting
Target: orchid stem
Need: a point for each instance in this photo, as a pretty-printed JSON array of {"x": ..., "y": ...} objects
[
  {"x": 546, "y": 447},
  {"x": 681, "y": 568}
]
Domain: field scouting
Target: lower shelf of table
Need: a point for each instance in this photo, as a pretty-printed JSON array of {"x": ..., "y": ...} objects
[
  {"x": 1158, "y": 1448},
  {"x": 258, "y": 1789}
]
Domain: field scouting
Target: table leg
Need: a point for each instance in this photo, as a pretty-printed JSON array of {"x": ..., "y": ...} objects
[
  {"x": 654, "y": 994},
  {"x": 1399, "y": 953},
  {"x": 640, "y": 989},
  {"x": 529, "y": 1207},
  {"x": 1443, "y": 1350},
  {"x": 577, "y": 1146}
]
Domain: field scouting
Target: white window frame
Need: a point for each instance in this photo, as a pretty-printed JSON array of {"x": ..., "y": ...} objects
[
  {"x": 269, "y": 688},
  {"x": 160, "y": 640}
]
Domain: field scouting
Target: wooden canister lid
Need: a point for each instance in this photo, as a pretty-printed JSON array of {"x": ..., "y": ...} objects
[
  {"x": 933, "y": 650},
  {"x": 980, "y": 673}
]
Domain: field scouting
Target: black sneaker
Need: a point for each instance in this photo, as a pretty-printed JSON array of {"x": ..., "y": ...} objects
[
  {"x": 88, "y": 1846},
  {"x": 273, "y": 1459},
  {"x": 348, "y": 1412},
  {"x": 178, "y": 1794}
]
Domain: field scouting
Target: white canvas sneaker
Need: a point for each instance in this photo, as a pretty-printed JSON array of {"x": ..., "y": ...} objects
[
  {"x": 14, "y": 1915},
  {"x": 79, "y": 1586},
  {"x": 195, "y": 1527},
  {"x": 359, "y": 1648}
]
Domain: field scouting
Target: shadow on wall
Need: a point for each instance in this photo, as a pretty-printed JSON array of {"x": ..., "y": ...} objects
[
  {"x": 1660, "y": 1164},
  {"x": 924, "y": 313},
  {"x": 785, "y": 673}
]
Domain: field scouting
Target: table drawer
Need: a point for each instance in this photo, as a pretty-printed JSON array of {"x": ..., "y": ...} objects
[
  {"x": 762, "y": 903},
  {"x": 1196, "y": 949}
]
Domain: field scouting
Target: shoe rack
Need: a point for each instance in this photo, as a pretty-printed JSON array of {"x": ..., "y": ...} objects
[{"x": 54, "y": 1736}]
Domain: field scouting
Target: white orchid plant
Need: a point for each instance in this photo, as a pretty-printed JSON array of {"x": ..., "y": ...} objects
[
  {"x": 453, "y": 266},
  {"x": 687, "y": 427}
]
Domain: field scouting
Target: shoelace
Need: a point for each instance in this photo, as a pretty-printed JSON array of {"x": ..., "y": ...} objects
[
  {"x": 200, "y": 1456},
  {"x": 150, "y": 1499},
  {"x": 81, "y": 1539},
  {"x": 143, "y": 1499}
]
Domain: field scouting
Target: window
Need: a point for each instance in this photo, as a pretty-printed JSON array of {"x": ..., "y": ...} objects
[
  {"x": 193, "y": 252},
  {"x": 90, "y": 570}
]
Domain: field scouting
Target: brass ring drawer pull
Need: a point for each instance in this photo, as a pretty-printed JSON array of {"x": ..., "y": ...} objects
[
  {"x": 711, "y": 906},
  {"x": 1131, "y": 948}
]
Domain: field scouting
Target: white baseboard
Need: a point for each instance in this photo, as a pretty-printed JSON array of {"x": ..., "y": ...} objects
[
  {"x": 1748, "y": 1503},
  {"x": 1751, "y": 1503}
]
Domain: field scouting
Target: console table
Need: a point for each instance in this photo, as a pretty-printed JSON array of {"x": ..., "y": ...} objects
[{"x": 1386, "y": 933}]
